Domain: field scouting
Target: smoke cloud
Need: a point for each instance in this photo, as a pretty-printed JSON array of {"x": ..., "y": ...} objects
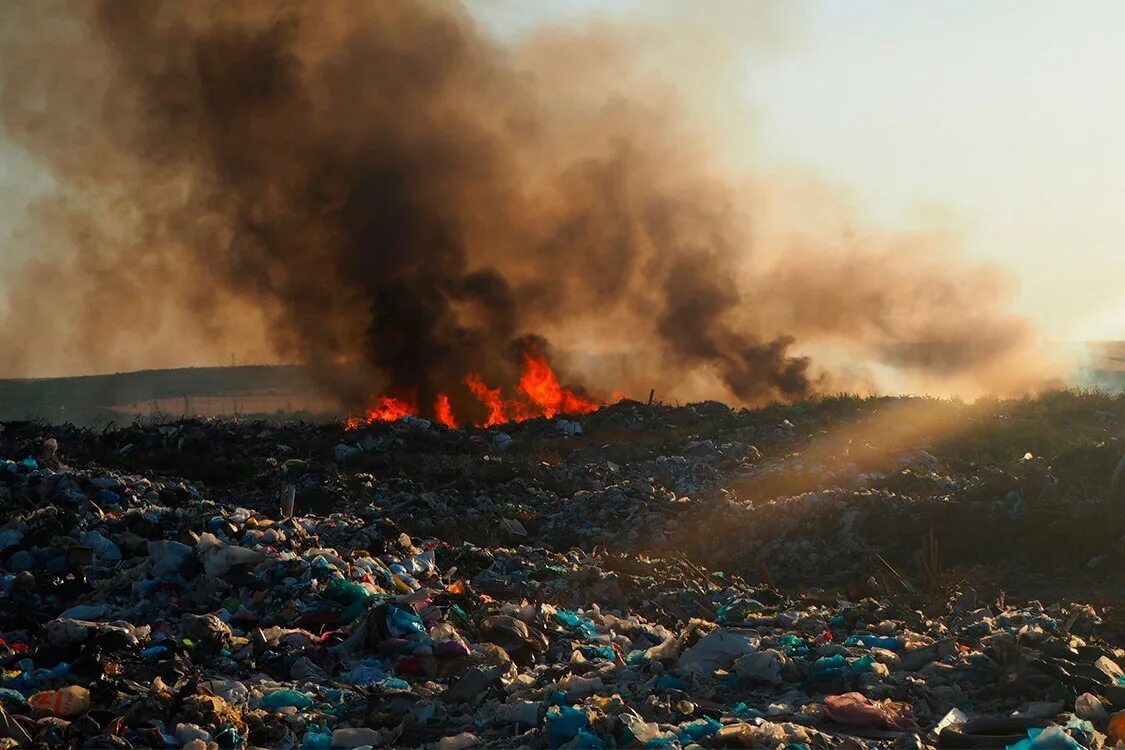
[{"x": 389, "y": 183}]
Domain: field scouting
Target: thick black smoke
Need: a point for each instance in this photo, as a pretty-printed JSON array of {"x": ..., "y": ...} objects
[{"x": 374, "y": 181}]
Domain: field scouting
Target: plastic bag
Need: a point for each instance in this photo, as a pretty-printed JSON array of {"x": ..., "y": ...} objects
[
  {"x": 699, "y": 729},
  {"x": 1088, "y": 706},
  {"x": 563, "y": 724},
  {"x": 761, "y": 666},
  {"x": 643, "y": 732},
  {"x": 575, "y": 621},
  {"x": 167, "y": 557},
  {"x": 1051, "y": 738},
  {"x": 401, "y": 622},
  {"x": 219, "y": 557},
  {"x": 719, "y": 649},
  {"x": 857, "y": 709},
  {"x": 66, "y": 702},
  {"x": 104, "y": 550},
  {"x": 317, "y": 738},
  {"x": 285, "y": 699},
  {"x": 351, "y": 595},
  {"x": 890, "y": 643}
]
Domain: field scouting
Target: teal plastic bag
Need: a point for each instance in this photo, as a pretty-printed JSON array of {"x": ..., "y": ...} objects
[
  {"x": 564, "y": 723},
  {"x": 286, "y": 699}
]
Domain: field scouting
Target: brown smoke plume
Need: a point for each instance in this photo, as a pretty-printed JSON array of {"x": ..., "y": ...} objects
[{"x": 385, "y": 182}]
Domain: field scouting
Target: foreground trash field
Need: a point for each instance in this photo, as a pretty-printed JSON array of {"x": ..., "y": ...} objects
[{"x": 842, "y": 573}]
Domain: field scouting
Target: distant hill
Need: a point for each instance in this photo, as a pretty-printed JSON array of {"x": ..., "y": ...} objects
[
  {"x": 278, "y": 390},
  {"x": 94, "y": 399}
]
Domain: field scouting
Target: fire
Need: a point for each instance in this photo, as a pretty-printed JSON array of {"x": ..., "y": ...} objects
[
  {"x": 540, "y": 385},
  {"x": 490, "y": 397},
  {"x": 388, "y": 409},
  {"x": 443, "y": 411},
  {"x": 538, "y": 394}
]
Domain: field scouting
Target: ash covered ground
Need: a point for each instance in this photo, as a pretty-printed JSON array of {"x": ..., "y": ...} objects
[{"x": 840, "y": 572}]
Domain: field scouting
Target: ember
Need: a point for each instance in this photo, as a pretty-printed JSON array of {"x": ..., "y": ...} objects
[{"x": 538, "y": 394}]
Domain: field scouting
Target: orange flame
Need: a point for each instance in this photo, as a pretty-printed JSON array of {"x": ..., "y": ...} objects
[
  {"x": 539, "y": 394},
  {"x": 541, "y": 386},
  {"x": 443, "y": 411},
  {"x": 388, "y": 409},
  {"x": 490, "y": 397}
]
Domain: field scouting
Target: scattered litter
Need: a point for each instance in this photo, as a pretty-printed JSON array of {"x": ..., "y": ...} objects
[{"x": 256, "y": 585}]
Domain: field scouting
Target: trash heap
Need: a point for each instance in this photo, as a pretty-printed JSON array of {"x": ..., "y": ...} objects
[{"x": 312, "y": 588}]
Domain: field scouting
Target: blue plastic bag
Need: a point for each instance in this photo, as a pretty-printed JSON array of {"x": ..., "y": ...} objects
[
  {"x": 1051, "y": 738},
  {"x": 699, "y": 729},
  {"x": 286, "y": 699},
  {"x": 576, "y": 622},
  {"x": 670, "y": 682},
  {"x": 402, "y": 623},
  {"x": 317, "y": 738},
  {"x": 564, "y": 723},
  {"x": 876, "y": 641}
]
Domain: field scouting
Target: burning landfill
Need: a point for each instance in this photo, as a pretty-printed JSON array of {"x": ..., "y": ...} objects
[
  {"x": 539, "y": 395},
  {"x": 639, "y": 576},
  {"x": 498, "y": 549}
]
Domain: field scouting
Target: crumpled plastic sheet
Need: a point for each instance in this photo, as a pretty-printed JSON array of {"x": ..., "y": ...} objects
[{"x": 856, "y": 709}]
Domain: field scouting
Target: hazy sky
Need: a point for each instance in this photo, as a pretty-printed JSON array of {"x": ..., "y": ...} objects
[
  {"x": 1006, "y": 114},
  {"x": 1004, "y": 119}
]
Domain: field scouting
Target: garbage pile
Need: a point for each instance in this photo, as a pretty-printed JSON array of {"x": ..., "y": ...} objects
[{"x": 224, "y": 585}]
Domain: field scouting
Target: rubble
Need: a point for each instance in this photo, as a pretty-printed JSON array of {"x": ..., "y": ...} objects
[{"x": 602, "y": 581}]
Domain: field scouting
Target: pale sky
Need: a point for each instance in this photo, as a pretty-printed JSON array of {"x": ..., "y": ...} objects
[
  {"x": 1005, "y": 117},
  {"x": 1008, "y": 115}
]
